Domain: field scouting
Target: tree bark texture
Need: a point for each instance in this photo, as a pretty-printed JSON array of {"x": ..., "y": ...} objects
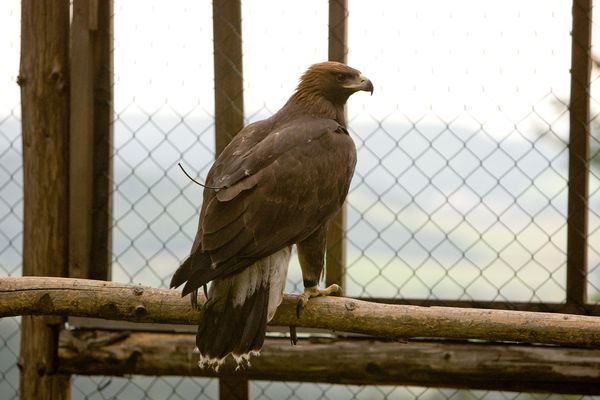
[
  {"x": 43, "y": 78},
  {"x": 117, "y": 301},
  {"x": 355, "y": 361},
  {"x": 91, "y": 136}
]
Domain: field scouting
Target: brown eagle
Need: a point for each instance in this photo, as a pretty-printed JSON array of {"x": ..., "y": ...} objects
[{"x": 278, "y": 183}]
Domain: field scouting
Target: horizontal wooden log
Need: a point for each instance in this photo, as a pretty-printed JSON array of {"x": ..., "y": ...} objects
[
  {"x": 118, "y": 301},
  {"x": 365, "y": 362},
  {"x": 585, "y": 309}
]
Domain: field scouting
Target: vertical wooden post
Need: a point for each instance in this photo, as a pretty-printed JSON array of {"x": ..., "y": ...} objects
[
  {"x": 229, "y": 115},
  {"x": 579, "y": 151},
  {"x": 81, "y": 142},
  {"x": 232, "y": 387},
  {"x": 102, "y": 35},
  {"x": 90, "y": 139},
  {"x": 335, "y": 262},
  {"x": 229, "y": 99},
  {"x": 338, "y": 31},
  {"x": 43, "y": 78}
]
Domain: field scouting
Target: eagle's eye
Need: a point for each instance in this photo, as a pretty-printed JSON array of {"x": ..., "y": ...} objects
[{"x": 340, "y": 77}]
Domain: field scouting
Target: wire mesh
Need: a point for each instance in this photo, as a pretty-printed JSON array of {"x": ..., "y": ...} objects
[
  {"x": 594, "y": 176},
  {"x": 11, "y": 190},
  {"x": 163, "y": 102},
  {"x": 460, "y": 190},
  {"x": 461, "y": 185},
  {"x": 307, "y": 391}
]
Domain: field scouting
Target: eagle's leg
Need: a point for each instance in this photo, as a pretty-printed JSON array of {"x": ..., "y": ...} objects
[
  {"x": 314, "y": 291},
  {"x": 311, "y": 253}
]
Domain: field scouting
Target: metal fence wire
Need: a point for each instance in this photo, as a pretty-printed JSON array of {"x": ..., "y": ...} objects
[{"x": 461, "y": 187}]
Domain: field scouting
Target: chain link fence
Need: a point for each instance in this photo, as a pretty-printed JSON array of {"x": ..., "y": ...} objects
[
  {"x": 11, "y": 189},
  {"x": 461, "y": 188},
  {"x": 460, "y": 191}
]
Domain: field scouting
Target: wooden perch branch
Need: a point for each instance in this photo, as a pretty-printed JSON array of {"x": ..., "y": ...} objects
[
  {"x": 355, "y": 361},
  {"x": 118, "y": 301}
]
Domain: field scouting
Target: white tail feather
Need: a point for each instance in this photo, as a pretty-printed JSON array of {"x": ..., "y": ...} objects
[{"x": 268, "y": 272}]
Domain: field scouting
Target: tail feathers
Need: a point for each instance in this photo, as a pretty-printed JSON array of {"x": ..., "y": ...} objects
[
  {"x": 196, "y": 261},
  {"x": 234, "y": 318},
  {"x": 198, "y": 269},
  {"x": 228, "y": 327},
  {"x": 182, "y": 273}
]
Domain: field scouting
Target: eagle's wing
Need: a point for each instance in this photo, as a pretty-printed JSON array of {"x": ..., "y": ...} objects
[{"x": 273, "y": 194}]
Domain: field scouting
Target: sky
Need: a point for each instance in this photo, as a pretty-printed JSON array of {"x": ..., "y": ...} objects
[
  {"x": 447, "y": 56},
  {"x": 431, "y": 54}
]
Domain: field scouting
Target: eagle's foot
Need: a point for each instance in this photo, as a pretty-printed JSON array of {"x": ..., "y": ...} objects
[{"x": 314, "y": 291}]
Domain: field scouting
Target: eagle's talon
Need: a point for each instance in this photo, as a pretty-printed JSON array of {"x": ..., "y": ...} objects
[
  {"x": 314, "y": 291},
  {"x": 302, "y": 300},
  {"x": 194, "y": 299},
  {"x": 293, "y": 336}
]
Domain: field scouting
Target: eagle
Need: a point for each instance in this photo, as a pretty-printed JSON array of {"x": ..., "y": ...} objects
[{"x": 277, "y": 184}]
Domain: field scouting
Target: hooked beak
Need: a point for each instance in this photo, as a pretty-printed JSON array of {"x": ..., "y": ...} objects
[
  {"x": 361, "y": 83},
  {"x": 367, "y": 85}
]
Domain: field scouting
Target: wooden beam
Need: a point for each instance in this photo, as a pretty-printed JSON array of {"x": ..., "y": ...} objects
[
  {"x": 229, "y": 79},
  {"x": 44, "y": 77},
  {"x": 102, "y": 37},
  {"x": 356, "y": 362},
  {"x": 91, "y": 137},
  {"x": 335, "y": 260},
  {"x": 82, "y": 142},
  {"x": 229, "y": 111},
  {"x": 338, "y": 31},
  {"x": 579, "y": 152},
  {"x": 233, "y": 387},
  {"x": 126, "y": 302}
]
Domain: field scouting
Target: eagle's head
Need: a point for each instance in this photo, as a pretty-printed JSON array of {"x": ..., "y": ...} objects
[{"x": 334, "y": 81}]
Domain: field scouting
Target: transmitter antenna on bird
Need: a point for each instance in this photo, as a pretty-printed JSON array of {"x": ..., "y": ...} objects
[{"x": 195, "y": 181}]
